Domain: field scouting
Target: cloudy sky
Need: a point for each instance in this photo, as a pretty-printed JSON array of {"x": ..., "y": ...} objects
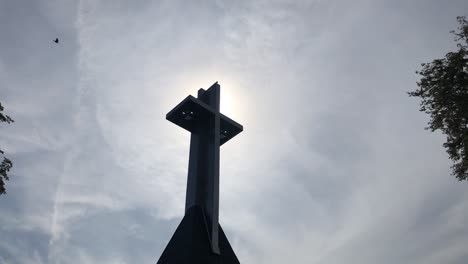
[{"x": 334, "y": 165}]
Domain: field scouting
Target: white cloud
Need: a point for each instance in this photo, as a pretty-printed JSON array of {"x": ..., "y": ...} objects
[{"x": 333, "y": 164}]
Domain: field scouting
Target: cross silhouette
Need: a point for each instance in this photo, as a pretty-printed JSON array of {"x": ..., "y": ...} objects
[{"x": 209, "y": 130}]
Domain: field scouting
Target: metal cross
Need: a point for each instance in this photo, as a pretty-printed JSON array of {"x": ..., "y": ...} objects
[{"x": 209, "y": 130}]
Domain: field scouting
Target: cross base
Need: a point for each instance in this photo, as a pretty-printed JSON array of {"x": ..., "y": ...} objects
[{"x": 190, "y": 243}]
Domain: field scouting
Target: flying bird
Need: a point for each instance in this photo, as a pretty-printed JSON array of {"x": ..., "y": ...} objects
[{"x": 56, "y": 40}]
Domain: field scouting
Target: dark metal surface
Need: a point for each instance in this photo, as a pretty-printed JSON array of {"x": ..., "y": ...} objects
[
  {"x": 209, "y": 130},
  {"x": 187, "y": 113},
  {"x": 190, "y": 243}
]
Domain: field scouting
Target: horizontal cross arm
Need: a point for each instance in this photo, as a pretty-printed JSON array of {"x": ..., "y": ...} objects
[
  {"x": 229, "y": 129},
  {"x": 187, "y": 112},
  {"x": 190, "y": 110}
]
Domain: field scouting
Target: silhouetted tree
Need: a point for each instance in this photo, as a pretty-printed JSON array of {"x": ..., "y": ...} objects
[
  {"x": 443, "y": 89},
  {"x": 6, "y": 164}
]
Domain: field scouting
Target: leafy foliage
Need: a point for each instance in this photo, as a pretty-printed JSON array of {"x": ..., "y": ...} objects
[
  {"x": 5, "y": 167},
  {"x": 443, "y": 89},
  {"x": 4, "y": 118},
  {"x": 6, "y": 164}
]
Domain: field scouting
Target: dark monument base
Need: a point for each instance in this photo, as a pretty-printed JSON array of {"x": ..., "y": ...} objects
[{"x": 190, "y": 243}]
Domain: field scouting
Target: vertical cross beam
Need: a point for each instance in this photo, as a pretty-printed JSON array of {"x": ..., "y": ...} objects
[
  {"x": 203, "y": 172},
  {"x": 209, "y": 130}
]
